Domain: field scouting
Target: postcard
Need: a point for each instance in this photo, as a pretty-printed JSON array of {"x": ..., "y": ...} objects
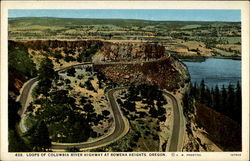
[{"x": 147, "y": 80}]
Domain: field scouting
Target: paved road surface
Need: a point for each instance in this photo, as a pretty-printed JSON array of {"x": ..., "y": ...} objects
[
  {"x": 178, "y": 126},
  {"x": 25, "y": 93}
]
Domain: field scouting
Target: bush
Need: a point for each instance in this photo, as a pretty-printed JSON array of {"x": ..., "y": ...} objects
[
  {"x": 71, "y": 72},
  {"x": 105, "y": 112},
  {"x": 80, "y": 76},
  {"x": 67, "y": 81},
  {"x": 68, "y": 58},
  {"x": 89, "y": 85},
  {"x": 129, "y": 105},
  {"x": 83, "y": 100},
  {"x": 162, "y": 118}
]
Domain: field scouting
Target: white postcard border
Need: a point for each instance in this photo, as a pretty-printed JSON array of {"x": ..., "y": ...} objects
[{"x": 242, "y": 5}]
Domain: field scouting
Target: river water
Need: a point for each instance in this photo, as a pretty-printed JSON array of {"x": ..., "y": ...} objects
[{"x": 215, "y": 71}]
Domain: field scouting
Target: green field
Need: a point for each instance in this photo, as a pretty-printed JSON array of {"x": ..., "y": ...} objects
[{"x": 168, "y": 33}]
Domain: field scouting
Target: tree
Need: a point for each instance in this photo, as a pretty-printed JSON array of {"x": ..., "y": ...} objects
[
  {"x": 46, "y": 70},
  {"x": 230, "y": 102},
  {"x": 217, "y": 99},
  {"x": 71, "y": 72},
  {"x": 68, "y": 58},
  {"x": 129, "y": 105},
  {"x": 13, "y": 116},
  {"x": 19, "y": 61},
  {"x": 44, "y": 87},
  {"x": 193, "y": 91},
  {"x": 67, "y": 81},
  {"x": 59, "y": 96},
  {"x": 105, "y": 112},
  {"x": 46, "y": 74},
  {"x": 153, "y": 112},
  {"x": 83, "y": 100},
  {"x": 40, "y": 138},
  {"x": 88, "y": 108},
  {"x": 16, "y": 144},
  {"x": 162, "y": 118},
  {"x": 223, "y": 99},
  {"x": 89, "y": 85},
  {"x": 20, "y": 65},
  {"x": 208, "y": 97},
  {"x": 238, "y": 103},
  {"x": 202, "y": 91}
]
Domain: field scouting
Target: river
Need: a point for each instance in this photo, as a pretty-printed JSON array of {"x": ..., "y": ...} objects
[{"x": 215, "y": 71}]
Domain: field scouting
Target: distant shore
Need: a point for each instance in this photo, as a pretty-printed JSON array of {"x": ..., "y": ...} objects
[{"x": 203, "y": 58}]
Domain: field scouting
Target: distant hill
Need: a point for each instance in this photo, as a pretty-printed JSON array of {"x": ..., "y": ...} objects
[{"x": 46, "y": 21}]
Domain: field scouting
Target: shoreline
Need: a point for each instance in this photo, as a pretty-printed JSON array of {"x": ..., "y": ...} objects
[{"x": 203, "y": 58}]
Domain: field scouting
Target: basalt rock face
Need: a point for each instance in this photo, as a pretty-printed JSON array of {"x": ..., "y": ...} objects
[
  {"x": 128, "y": 52},
  {"x": 162, "y": 73},
  {"x": 138, "y": 63}
]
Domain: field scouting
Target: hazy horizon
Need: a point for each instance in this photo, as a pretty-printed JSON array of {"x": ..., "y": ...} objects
[
  {"x": 125, "y": 19},
  {"x": 142, "y": 14}
]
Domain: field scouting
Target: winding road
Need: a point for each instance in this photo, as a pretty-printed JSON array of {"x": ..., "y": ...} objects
[
  {"x": 178, "y": 125},
  {"x": 120, "y": 121}
]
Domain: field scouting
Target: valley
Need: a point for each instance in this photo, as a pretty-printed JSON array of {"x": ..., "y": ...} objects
[{"x": 92, "y": 85}]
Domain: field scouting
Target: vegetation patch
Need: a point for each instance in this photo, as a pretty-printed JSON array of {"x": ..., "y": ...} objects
[{"x": 71, "y": 103}]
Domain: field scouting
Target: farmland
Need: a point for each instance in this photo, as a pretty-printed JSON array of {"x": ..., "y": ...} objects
[{"x": 192, "y": 39}]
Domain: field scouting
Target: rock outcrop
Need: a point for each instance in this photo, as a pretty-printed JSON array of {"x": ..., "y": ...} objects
[
  {"x": 128, "y": 52},
  {"x": 148, "y": 62},
  {"x": 164, "y": 73}
]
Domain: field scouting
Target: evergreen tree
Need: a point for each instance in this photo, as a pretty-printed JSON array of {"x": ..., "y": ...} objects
[
  {"x": 46, "y": 75},
  {"x": 230, "y": 103},
  {"x": 40, "y": 137},
  {"x": 223, "y": 100},
  {"x": 238, "y": 103},
  {"x": 202, "y": 91},
  {"x": 226, "y": 101},
  {"x": 12, "y": 112},
  {"x": 212, "y": 97},
  {"x": 16, "y": 143},
  {"x": 193, "y": 91},
  {"x": 46, "y": 70},
  {"x": 208, "y": 98},
  {"x": 217, "y": 99}
]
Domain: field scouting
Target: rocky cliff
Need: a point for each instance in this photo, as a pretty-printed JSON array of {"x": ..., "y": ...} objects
[
  {"x": 163, "y": 73},
  {"x": 128, "y": 52},
  {"x": 124, "y": 62}
]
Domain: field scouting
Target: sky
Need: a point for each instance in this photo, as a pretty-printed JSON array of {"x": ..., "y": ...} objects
[{"x": 145, "y": 14}]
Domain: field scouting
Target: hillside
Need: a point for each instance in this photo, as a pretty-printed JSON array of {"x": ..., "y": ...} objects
[{"x": 228, "y": 137}]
